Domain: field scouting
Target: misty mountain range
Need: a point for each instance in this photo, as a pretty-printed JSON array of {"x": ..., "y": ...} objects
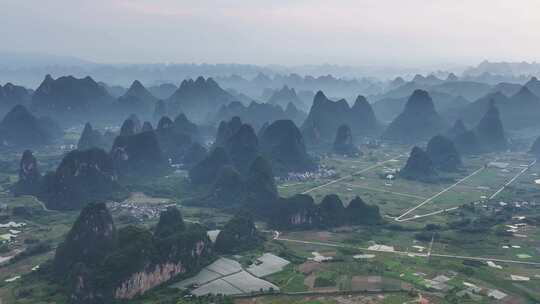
[{"x": 281, "y": 97}]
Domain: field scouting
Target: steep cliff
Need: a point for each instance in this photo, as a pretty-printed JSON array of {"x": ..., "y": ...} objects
[
  {"x": 29, "y": 182},
  {"x": 99, "y": 264},
  {"x": 418, "y": 121},
  {"x": 139, "y": 155},
  {"x": 419, "y": 167},
  {"x": 343, "y": 143},
  {"x": 82, "y": 177},
  {"x": 239, "y": 234},
  {"x": 443, "y": 153},
  {"x": 283, "y": 144}
]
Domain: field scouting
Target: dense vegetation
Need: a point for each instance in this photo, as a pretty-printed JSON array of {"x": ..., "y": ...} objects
[
  {"x": 239, "y": 234},
  {"x": 100, "y": 263}
]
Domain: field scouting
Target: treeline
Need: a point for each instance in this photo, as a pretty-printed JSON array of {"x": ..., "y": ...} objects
[{"x": 98, "y": 263}]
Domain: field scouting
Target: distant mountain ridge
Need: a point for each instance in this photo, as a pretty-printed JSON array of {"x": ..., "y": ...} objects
[
  {"x": 257, "y": 114},
  {"x": 519, "y": 110},
  {"x": 71, "y": 98},
  {"x": 418, "y": 121},
  {"x": 21, "y": 128},
  {"x": 137, "y": 99},
  {"x": 325, "y": 117},
  {"x": 199, "y": 99},
  {"x": 284, "y": 96}
]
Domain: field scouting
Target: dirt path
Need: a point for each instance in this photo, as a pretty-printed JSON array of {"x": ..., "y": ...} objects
[
  {"x": 397, "y": 252},
  {"x": 513, "y": 179},
  {"x": 351, "y": 175},
  {"x": 399, "y": 218}
]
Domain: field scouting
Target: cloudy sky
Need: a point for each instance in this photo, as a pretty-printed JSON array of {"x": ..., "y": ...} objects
[{"x": 352, "y": 32}]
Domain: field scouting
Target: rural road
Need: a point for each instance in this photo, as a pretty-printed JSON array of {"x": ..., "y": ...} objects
[
  {"x": 399, "y": 218},
  {"x": 513, "y": 179},
  {"x": 351, "y": 175},
  {"x": 397, "y": 252}
]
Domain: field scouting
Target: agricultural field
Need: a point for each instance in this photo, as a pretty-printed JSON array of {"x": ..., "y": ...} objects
[
  {"x": 395, "y": 262},
  {"x": 486, "y": 184},
  {"x": 477, "y": 181}
]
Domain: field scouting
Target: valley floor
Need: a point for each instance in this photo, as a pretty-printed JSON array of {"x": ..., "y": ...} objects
[{"x": 433, "y": 246}]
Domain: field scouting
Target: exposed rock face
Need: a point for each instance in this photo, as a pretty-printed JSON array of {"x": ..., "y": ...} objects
[
  {"x": 199, "y": 99},
  {"x": 81, "y": 286},
  {"x": 298, "y": 211},
  {"x": 141, "y": 261},
  {"x": 140, "y": 282},
  {"x": 205, "y": 172},
  {"x": 283, "y": 144},
  {"x": 284, "y": 96},
  {"x": 82, "y": 177},
  {"x": 29, "y": 182},
  {"x": 257, "y": 114},
  {"x": 326, "y": 116},
  {"x": 490, "y": 131},
  {"x": 90, "y": 138},
  {"x": 138, "y": 155},
  {"x": 301, "y": 212},
  {"x": 239, "y": 234},
  {"x": 227, "y": 129},
  {"x": 418, "y": 121},
  {"x": 443, "y": 153},
  {"x": 261, "y": 186},
  {"x": 91, "y": 238},
  {"x": 99, "y": 264},
  {"x": 71, "y": 99},
  {"x": 419, "y": 167},
  {"x": 20, "y": 128},
  {"x": 343, "y": 144},
  {"x": 170, "y": 222},
  {"x": 137, "y": 99}
]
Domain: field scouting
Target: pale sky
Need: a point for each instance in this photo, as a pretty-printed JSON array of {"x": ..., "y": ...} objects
[{"x": 347, "y": 32}]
